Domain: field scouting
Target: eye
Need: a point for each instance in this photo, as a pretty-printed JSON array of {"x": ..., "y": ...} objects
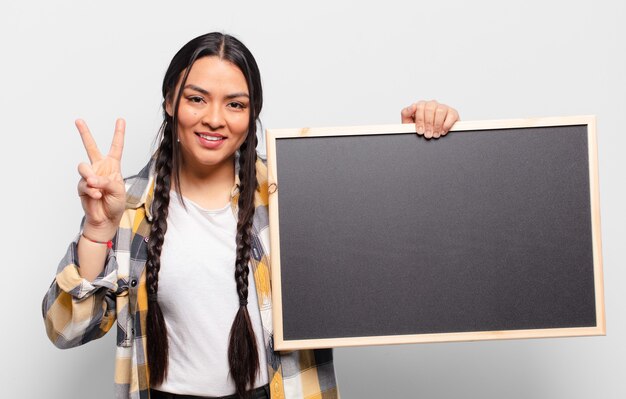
[
  {"x": 195, "y": 99},
  {"x": 237, "y": 105}
]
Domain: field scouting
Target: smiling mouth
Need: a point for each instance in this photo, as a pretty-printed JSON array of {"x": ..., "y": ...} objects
[{"x": 211, "y": 138}]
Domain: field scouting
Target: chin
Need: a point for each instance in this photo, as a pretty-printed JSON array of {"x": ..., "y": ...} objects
[{"x": 215, "y": 161}]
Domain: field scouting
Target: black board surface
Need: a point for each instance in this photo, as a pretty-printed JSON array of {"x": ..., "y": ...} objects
[{"x": 392, "y": 234}]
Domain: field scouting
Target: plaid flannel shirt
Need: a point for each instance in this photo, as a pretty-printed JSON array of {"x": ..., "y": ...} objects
[{"x": 77, "y": 311}]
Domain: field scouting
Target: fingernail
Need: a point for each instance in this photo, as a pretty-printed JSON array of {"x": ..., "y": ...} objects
[{"x": 420, "y": 129}]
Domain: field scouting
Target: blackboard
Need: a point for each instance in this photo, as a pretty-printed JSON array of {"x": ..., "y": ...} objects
[{"x": 380, "y": 236}]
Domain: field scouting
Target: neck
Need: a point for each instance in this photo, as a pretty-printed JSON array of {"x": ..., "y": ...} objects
[{"x": 211, "y": 186}]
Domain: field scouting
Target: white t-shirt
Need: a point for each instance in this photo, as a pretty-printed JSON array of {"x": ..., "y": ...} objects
[{"x": 198, "y": 297}]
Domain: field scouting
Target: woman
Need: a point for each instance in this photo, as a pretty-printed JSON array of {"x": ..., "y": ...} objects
[{"x": 175, "y": 299}]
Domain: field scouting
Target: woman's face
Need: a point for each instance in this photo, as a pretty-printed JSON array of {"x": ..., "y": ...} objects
[{"x": 213, "y": 113}]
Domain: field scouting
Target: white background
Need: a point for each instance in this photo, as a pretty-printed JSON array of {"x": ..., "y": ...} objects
[{"x": 323, "y": 64}]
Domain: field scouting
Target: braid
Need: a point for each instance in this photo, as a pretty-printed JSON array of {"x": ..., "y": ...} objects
[
  {"x": 157, "y": 344},
  {"x": 243, "y": 355}
]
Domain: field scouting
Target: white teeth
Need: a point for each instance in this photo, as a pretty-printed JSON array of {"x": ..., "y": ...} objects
[{"x": 210, "y": 138}]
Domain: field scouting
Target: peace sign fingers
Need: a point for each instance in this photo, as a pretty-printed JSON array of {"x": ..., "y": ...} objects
[
  {"x": 117, "y": 145},
  {"x": 101, "y": 188}
]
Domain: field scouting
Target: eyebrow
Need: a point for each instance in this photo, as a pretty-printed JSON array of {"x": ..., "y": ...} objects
[{"x": 205, "y": 92}]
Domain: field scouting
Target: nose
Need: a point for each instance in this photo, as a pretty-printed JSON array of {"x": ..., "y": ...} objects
[{"x": 214, "y": 116}]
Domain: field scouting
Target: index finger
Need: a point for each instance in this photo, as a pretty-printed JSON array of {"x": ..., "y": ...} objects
[
  {"x": 419, "y": 117},
  {"x": 117, "y": 145},
  {"x": 90, "y": 144}
]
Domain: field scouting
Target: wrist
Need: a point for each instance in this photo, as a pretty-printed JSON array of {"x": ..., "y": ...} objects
[
  {"x": 108, "y": 243},
  {"x": 98, "y": 233}
]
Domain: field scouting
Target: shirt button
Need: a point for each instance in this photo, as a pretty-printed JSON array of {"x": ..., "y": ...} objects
[{"x": 133, "y": 283}]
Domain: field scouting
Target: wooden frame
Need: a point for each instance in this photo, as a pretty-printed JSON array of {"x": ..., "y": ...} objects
[{"x": 281, "y": 344}]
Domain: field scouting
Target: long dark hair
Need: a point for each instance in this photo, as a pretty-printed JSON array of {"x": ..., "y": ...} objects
[{"x": 242, "y": 349}]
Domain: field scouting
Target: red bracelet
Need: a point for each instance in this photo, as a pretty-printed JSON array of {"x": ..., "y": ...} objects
[{"x": 109, "y": 243}]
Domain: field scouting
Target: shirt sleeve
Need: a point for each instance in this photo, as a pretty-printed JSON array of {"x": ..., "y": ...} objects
[
  {"x": 75, "y": 310},
  {"x": 309, "y": 374}
]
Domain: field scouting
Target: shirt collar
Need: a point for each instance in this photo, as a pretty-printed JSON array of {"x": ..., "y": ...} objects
[{"x": 140, "y": 188}]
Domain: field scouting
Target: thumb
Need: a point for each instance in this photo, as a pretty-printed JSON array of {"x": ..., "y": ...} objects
[{"x": 408, "y": 113}]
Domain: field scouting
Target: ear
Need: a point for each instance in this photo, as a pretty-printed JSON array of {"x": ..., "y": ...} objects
[{"x": 168, "y": 107}]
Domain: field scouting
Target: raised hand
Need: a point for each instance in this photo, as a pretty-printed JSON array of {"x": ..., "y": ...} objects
[
  {"x": 432, "y": 119},
  {"x": 101, "y": 187}
]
